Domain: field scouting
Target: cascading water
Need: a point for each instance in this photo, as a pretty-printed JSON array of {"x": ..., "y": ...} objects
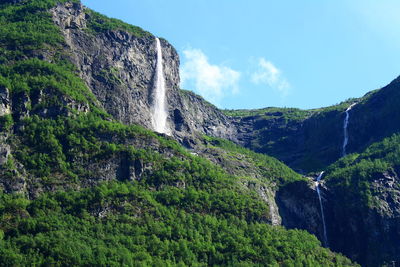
[
  {"x": 159, "y": 116},
  {"x": 317, "y": 184},
  {"x": 317, "y": 181},
  {"x": 345, "y": 132}
]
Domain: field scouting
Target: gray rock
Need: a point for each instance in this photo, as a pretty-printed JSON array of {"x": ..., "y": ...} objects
[
  {"x": 5, "y": 152},
  {"x": 5, "y": 101},
  {"x": 268, "y": 195},
  {"x": 119, "y": 69},
  {"x": 299, "y": 207}
]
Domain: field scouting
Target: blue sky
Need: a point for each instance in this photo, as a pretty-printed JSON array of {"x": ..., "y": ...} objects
[{"x": 260, "y": 53}]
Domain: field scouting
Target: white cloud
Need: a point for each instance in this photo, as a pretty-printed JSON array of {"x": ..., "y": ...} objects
[
  {"x": 267, "y": 73},
  {"x": 213, "y": 82}
]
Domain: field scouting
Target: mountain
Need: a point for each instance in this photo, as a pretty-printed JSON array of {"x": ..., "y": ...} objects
[
  {"x": 310, "y": 140},
  {"x": 363, "y": 202},
  {"x": 360, "y": 191},
  {"x": 117, "y": 62},
  {"x": 86, "y": 181}
]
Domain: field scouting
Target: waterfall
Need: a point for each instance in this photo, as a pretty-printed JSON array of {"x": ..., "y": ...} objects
[
  {"x": 159, "y": 112},
  {"x": 318, "y": 180},
  {"x": 345, "y": 132},
  {"x": 317, "y": 183}
]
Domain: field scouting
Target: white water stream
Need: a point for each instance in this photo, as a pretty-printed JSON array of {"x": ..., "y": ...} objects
[
  {"x": 318, "y": 180},
  {"x": 345, "y": 132},
  {"x": 317, "y": 183},
  {"x": 159, "y": 116}
]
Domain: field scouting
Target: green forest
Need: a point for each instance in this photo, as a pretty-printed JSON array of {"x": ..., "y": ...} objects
[
  {"x": 185, "y": 211},
  {"x": 166, "y": 206}
]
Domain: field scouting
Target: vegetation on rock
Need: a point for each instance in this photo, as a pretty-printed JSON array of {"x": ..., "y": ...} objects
[{"x": 79, "y": 188}]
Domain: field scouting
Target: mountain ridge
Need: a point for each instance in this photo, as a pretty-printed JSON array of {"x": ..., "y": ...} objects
[{"x": 74, "y": 106}]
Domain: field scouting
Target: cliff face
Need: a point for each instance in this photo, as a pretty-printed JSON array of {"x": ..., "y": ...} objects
[
  {"x": 377, "y": 116},
  {"x": 311, "y": 140},
  {"x": 363, "y": 215},
  {"x": 299, "y": 207},
  {"x": 307, "y": 142},
  {"x": 367, "y": 233},
  {"x": 5, "y": 101},
  {"x": 119, "y": 68}
]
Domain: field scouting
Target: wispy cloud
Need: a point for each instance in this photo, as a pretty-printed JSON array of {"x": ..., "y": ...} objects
[
  {"x": 267, "y": 73},
  {"x": 213, "y": 82}
]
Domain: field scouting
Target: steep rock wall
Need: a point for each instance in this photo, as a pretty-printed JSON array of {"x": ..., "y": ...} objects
[
  {"x": 374, "y": 118},
  {"x": 369, "y": 233},
  {"x": 307, "y": 144},
  {"x": 119, "y": 68}
]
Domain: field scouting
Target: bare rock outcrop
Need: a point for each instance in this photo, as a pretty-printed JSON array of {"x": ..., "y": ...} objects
[{"x": 119, "y": 68}]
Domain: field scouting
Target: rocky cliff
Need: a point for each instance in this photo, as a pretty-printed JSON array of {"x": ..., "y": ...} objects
[
  {"x": 61, "y": 132},
  {"x": 368, "y": 233},
  {"x": 306, "y": 140},
  {"x": 119, "y": 67},
  {"x": 310, "y": 140},
  {"x": 375, "y": 117}
]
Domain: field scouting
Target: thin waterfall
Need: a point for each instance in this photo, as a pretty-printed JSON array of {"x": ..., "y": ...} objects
[
  {"x": 318, "y": 180},
  {"x": 345, "y": 131},
  {"x": 159, "y": 116},
  {"x": 317, "y": 184}
]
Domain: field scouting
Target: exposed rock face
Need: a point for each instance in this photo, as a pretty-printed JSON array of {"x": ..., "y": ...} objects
[
  {"x": 370, "y": 234},
  {"x": 305, "y": 145},
  {"x": 315, "y": 141},
  {"x": 375, "y": 118},
  {"x": 202, "y": 117},
  {"x": 5, "y": 101},
  {"x": 5, "y": 152},
  {"x": 268, "y": 195},
  {"x": 119, "y": 68},
  {"x": 117, "y": 167},
  {"x": 299, "y": 207}
]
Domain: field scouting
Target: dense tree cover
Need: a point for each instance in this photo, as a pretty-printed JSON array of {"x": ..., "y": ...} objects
[
  {"x": 355, "y": 172},
  {"x": 183, "y": 210},
  {"x": 26, "y": 27},
  {"x": 126, "y": 224},
  {"x": 99, "y": 23},
  {"x": 211, "y": 220},
  {"x": 33, "y": 76},
  {"x": 364, "y": 190}
]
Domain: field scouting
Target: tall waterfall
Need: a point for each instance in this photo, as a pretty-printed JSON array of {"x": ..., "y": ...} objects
[
  {"x": 345, "y": 132},
  {"x": 318, "y": 180},
  {"x": 159, "y": 112},
  {"x": 317, "y": 183}
]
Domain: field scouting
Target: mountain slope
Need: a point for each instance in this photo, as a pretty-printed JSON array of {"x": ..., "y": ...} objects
[
  {"x": 78, "y": 187},
  {"x": 310, "y": 140},
  {"x": 117, "y": 62},
  {"x": 364, "y": 203},
  {"x": 306, "y": 140}
]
